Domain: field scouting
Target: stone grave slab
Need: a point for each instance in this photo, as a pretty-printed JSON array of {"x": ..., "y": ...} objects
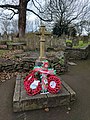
[{"x": 23, "y": 102}]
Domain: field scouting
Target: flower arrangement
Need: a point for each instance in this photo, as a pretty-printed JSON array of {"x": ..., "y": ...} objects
[{"x": 47, "y": 82}]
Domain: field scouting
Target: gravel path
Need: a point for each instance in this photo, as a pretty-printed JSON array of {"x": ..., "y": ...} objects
[{"x": 78, "y": 78}]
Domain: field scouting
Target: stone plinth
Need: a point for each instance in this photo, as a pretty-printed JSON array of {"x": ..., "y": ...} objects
[{"x": 23, "y": 102}]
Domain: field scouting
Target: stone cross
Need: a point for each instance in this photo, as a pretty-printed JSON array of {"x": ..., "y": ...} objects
[{"x": 42, "y": 34}]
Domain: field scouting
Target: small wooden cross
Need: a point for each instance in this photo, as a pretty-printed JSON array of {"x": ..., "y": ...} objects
[{"x": 42, "y": 34}]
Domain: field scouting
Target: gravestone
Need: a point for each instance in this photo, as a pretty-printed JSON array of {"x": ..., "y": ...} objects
[
  {"x": 85, "y": 39},
  {"x": 75, "y": 41},
  {"x": 10, "y": 37},
  {"x": 5, "y": 36}
]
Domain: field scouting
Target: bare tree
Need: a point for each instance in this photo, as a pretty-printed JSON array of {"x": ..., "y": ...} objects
[
  {"x": 83, "y": 25},
  {"x": 9, "y": 26},
  {"x": 66, "y": 12},
  {"x": 21, "y": 7}
]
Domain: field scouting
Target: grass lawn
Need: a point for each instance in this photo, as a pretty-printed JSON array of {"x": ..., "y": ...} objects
[{"x": 81, "y": 44}]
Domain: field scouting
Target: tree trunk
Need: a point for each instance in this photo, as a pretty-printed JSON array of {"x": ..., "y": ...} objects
[{"x": 22, "y": 17}]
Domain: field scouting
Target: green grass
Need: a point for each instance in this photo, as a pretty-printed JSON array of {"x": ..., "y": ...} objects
[
  {"x": 81, "y": 44},
  {"x": 70, "y": 41}
]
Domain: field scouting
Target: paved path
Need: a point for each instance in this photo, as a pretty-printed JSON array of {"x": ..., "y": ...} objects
[{"x": 78, "y": 78}]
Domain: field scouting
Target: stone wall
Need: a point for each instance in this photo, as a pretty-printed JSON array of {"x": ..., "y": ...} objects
[
  {"x": 18, "y": 65},
  {"x": 78, "y": 53},
  {"x": 25, "y": 64},
  {"x": 33, "y": 42}
]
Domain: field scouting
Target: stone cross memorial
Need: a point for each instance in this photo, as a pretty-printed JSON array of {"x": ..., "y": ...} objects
[
  {"x": 42, "y": 34},
  {"x": 41, "y": 88}
]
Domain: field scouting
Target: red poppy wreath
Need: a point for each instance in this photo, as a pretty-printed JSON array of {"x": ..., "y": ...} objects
[{"x": 54, "y": 84}]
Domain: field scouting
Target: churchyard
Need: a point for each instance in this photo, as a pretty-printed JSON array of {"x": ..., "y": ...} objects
[
  {"x": 19, "y": 55},
  {"x": 22, "y": 63},
  {"x": 17, "y": 60},
  {"x": 58, "y": 50},
  {"x": 45, "y": 60}
]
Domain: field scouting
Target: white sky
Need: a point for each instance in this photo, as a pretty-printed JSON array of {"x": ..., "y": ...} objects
[{"x": 30, "y": 16}]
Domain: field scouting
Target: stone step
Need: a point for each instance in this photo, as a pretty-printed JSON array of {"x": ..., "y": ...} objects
[{"x": 23, "y": 102}]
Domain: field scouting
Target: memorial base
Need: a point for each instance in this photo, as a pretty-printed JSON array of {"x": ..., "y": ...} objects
[{"x": 23, "y": 102}]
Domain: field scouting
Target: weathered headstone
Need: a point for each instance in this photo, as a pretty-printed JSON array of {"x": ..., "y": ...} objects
[
  {"x": 10, "y": 37},
  {"x": 75, "y": 41},
  {"x": 85, "y": 39},
  {"x": 5, "y": 36}
]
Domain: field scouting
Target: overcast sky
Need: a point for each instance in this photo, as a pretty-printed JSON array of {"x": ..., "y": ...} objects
[{"x": 30, "y": 16}]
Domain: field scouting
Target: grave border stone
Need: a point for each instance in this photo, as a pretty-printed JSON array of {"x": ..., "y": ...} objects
[{"x": 24, "y": 102}]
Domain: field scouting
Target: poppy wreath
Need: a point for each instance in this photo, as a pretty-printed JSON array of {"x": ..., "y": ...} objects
[
  {"x": 28, "y": 81},
  {"x": 54, "y": 84}
]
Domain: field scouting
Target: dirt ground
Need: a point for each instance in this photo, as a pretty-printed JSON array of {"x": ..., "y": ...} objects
[{"x": 78, "y": 77}]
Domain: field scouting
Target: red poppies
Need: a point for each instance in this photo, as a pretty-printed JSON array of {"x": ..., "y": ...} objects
[{"x": 33, "y": 86}]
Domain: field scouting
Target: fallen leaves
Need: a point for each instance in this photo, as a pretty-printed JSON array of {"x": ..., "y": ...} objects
[{"x": 6, "y": 76}]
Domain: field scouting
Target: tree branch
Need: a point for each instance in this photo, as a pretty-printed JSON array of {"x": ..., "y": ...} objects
[
  {"x": 12, "y": 14},
  {"x": 47, "y": 20},
  {"x": 10, "y": 6},
  {"x": 36, "y": 6},
  {"x": 27, "y": 1}
]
